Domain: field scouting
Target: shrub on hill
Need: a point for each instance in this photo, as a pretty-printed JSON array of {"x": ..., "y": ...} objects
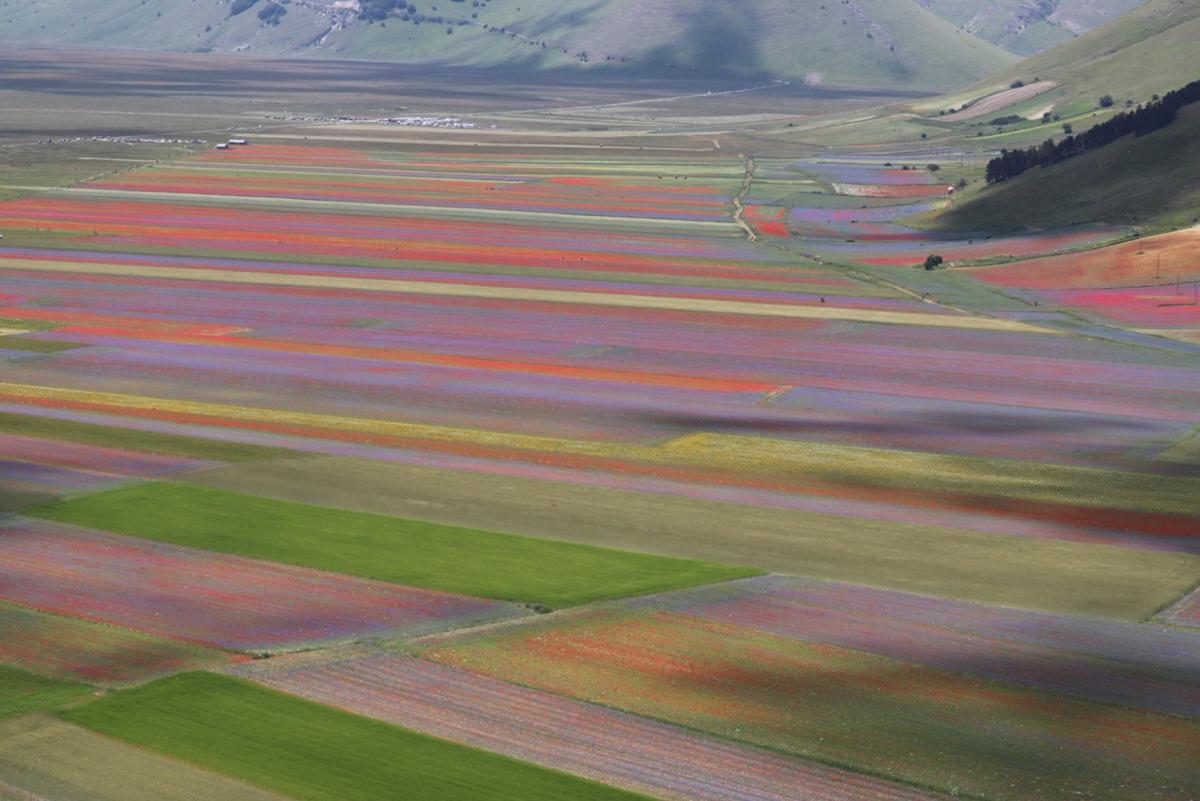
[
  {"x": 238, "y": 6},
  {"x": 271, "y": 13},
  {"x": 375, "y": 10}
]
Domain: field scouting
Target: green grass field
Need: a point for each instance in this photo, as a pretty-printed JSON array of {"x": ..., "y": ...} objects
[
  {"x": 410, "y": 552},
  {"x": 99, "y": 768},
  {"x": 22, "y": 693},
  {"x": 315, "y": 753}
]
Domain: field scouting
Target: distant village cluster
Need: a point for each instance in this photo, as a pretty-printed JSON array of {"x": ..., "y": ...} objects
[
  {"x": 414, "y": 120},
  {"x": 126, "y": 140}
]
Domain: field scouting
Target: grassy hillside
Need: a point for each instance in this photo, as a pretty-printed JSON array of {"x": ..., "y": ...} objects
[
  {"x": 1150, "y": 50},
  {"x": 857, "y": 42},
  {"x": 1027, "y": 28},
  {"x": 1150, "y": 180}
]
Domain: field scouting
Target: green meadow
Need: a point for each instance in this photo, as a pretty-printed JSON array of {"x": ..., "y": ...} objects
[
  {"x": 22, "y": 692},
  {"x": 411, "y": 552}
]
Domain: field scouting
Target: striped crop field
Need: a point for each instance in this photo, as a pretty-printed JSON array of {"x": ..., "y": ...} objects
[
  {"x": 33, "y": 767},
  {"x": 1139, "y": 262},
  {"x": 936, "y": 727},
  {"x": 601, "y": 327},
  {"x": 34, "y": 469},
  {"x": 311, "y": 752},
  {"x": 642, "y": 454},
  {"x": 560, "y": 733},
  {"x": 211, "y": 599},
  {"x": 1131, "y": 664},
  {"x": 1146, "y": 284},
  {"x": 79, "y": 650},
  {"x": 387, "y": 549}
]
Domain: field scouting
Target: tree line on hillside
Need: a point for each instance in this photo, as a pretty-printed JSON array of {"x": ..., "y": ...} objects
[{"x": 1142, "y": 120}]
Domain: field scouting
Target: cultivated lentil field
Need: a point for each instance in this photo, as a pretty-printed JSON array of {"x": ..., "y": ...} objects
[{"x": 592, "y": 452}]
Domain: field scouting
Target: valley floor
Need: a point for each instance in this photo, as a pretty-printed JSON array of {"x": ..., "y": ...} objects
[{"x": 612, "y": 448}]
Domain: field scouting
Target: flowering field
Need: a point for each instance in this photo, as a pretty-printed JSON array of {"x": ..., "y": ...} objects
[
  {"x": 1145, "y": 284},
  {"x": 723, "y": 671},
  {"x": 1148, "y": 667},
  {"x": 73, "y": 649},
  {"x": 585, "y": 321},
  {"x": 560, "y": 733},
  {"x": 623, "y": 451},
  {"x": 211, "y": 599}
]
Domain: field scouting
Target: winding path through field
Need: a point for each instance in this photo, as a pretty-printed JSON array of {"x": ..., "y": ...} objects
[{"x": 739, "y": 208}]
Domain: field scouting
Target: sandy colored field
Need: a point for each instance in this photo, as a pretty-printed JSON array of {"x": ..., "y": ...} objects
[
  {"x": 1000, "y": 100},
  {"x": 821, "y": 312},
  {"x": 1039, "y": 574},
  {"x": 45, "y": 758}
]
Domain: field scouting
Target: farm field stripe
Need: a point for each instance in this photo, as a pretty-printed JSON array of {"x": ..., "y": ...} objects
[
  {"x": 1132, "y": 664},
  {"x": 561, "y": 733},
  {"x": 45, "y": 758},
  {"x": 439, "y": 212},
  {"x": 449, "y": 360},
  {"x": 78, "y": 650},
  {"x": 1166, "y": 496},
  {"x": 212, "y": 599},
  {"x": 132, "y": 441},
  {"x": 664, "y": 462},
  {"x": 392, "y": 555},
  {"x": 825, "y": 312},
  {"x": 925, "y": 725},
  {"x": 317, "y": 753}
]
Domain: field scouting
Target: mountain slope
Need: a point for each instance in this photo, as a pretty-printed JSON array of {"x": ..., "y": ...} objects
[
  {"x": 842, "y": 42},
  {"x": 1152, "y": 49},
  {"x": 1149, "y": 180},
  {"x": 1026, "y": 27}
]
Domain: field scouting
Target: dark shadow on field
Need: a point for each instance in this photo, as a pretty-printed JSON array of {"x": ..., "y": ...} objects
[{"x": 982, "y": 424}]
